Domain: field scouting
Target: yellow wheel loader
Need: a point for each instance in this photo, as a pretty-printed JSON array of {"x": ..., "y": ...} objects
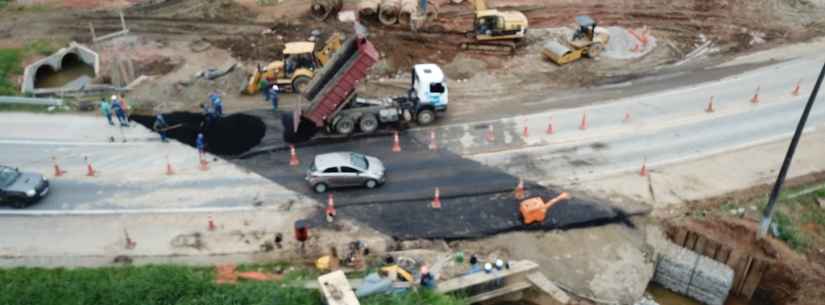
[
  {"x": 296, "y": 70},
  {"x": 495, "y": 30},
  {"x": 587, "y": 41}
]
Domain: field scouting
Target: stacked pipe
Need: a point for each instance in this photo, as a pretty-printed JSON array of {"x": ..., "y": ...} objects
[
  {"x": 408, "y": 9},
  {"x": 698, "y": 277},
  {"x": 368, "y": 7},
  {"x": 388, "y": 11},
  {"x": 322, "y": 9}
]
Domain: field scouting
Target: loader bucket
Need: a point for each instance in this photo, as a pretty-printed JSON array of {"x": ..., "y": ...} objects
[{"x": 306, "y": 129}]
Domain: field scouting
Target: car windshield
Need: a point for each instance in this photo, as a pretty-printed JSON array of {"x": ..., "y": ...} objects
[
  {"x": 7, "y": 176},
  {"x": 360, "y": 161}
]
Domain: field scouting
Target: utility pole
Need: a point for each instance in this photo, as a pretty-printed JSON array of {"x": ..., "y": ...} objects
[{"x": 777, "y": 187}]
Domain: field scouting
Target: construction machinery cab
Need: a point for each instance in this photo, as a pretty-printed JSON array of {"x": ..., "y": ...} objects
[
  {"x": 494, "y": 24},
  {"x": 587, "y": 27},
  {"x": 296, "y": 70},
  {"x": 299, "y": 55}
]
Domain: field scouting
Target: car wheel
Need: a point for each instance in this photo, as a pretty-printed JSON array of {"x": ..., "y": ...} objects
[
  {"x": 368, "y": 123},
  {"x": 320, "y": 188},
  {"x": 425, "y": 117},
  {"x": 371, "y": 184}
]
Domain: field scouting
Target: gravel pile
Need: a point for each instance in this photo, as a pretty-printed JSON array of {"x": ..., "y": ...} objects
[{"x": 623, "y": 44}]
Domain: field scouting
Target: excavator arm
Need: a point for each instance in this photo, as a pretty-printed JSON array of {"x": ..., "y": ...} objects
[{"x": 480, "y": 5}]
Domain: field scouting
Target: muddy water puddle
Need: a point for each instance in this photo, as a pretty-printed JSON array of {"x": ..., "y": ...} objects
[{"x": 60, "y": 78}]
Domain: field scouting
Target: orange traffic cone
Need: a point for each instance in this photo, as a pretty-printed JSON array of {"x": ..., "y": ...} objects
[
  {"x": 550, "y": 129},
  {"x": 57, "y": 171},
  {"x": 330, "y": 210},
  {"x": 436, "y": 204},
  {"x": 525, "y": 133},
  {"x": 643, "y": 172},
  {"x": 710, "y": 109},
  {"x": 90, "y": 170},
  {"x": 396, "y": 143},
  {"x": 755, "y": 98},
  {"x": 433, "y": 142},
  {"x": 169, "y": 170},
  {"x": 293, "y": 157},
  {"x": 519, "y": 191},
  {"x": 211, "y": 224},
  {"x": 796, "y": 88},
  {"x": 491, "y": 135},
  {"x": 204, "y": 165},
  {"x": 626, "y": 117},
  {"x": 583, "y": 125}
]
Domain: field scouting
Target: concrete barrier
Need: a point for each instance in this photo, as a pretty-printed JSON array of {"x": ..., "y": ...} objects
[{"x": 55, "y": 62}]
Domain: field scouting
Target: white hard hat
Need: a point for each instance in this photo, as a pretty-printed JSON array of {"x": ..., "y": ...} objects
[
  {"x": 499, "y": 264},
  {"x": 114, "y": 97},
  {"x": 488, "y": 267}
]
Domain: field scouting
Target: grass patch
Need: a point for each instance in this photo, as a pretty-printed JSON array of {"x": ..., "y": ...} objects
[
  {"x": 9, "y": 66},
  {"x": 173, "y": 285}
]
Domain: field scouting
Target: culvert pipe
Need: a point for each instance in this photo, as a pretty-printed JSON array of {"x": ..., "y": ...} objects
[
  {"x": 322, "y": 9},
  {"x": 368, "y": 8},
  {"x": 388, "y": 11}
]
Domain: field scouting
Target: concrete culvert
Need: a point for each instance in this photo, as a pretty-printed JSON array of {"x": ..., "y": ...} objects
[{"x": 231, "y": 135}]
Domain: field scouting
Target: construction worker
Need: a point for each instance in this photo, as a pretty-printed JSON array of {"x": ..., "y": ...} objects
[
  {"x": 199, "y": 143},
  {"x": 160, "y": 126},
  {"x": 117, "y": 107},
  {"x": 209, "y": 114},
  {"x": 217, "y": 103},
  {"x": 263, "y": 86},
  {"x": 106, "y": 110},
  {"x": 125, "y": 106},
  {"x": 273, "y": 93}
]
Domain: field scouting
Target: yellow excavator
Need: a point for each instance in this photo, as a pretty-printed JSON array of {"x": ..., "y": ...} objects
[
  {"x": 298, "y": 66},
  {"x": 494, "y": 30},
  {"x": 586, "y": 41}
]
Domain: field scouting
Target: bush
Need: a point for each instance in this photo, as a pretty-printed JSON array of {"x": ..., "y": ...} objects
[
  {"x": 9, "y": 65},
  {"x": 790, "y": 233}
]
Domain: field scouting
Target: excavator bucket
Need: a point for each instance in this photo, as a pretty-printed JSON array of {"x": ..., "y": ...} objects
[{"x": 560, "y": 54}]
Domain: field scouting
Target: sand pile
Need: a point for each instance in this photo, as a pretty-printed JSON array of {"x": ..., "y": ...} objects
[{"x": 628, "y": 43}]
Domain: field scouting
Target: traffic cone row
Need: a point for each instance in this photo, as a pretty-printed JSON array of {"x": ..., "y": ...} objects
[
  {"x": 57, "y": 171},
  {"x": 90, "y": 170},
  {"x": 330, "y": 210},
  {"x": 796, "y": 88},
  {"x": 396, "y": 143},
  {"x": 755, "y": 98},
  {"x": 433, "y": 142},
  {"x": 491, "y": 135},
  {"x": 436, "y": 203},
  {"x": 709, "y": 108},
  {"x": 519, "y": 191},
  {"x": 293, "y": 157}
]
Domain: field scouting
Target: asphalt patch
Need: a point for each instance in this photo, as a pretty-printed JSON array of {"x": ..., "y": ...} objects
[{"x": 231, "y": 135}]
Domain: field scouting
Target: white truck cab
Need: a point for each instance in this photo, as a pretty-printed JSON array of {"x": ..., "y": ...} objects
[{"x": 430, "y": 86}]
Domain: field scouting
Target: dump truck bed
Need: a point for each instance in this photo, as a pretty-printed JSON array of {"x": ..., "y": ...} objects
[{"x": 332, "y": 86}]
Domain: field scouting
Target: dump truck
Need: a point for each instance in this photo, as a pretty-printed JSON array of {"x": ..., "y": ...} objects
[{"x": 332, "y": 105}]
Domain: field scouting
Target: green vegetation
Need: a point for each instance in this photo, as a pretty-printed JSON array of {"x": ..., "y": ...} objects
[
  {"x": 11, "y": 61},
  {"x": 9, "y": 65},
  {"x": 799, "y": 219},
  {"x": 172, "y": 285}
]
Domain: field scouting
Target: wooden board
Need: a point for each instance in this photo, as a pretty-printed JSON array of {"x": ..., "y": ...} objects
[
  {"x": 516, "y": 267},
  {"x": 542, "y": 283},
  {"x": 337, "y": 281}
]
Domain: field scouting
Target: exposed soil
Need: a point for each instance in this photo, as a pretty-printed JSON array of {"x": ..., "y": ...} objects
[{"x": 790, "y": 279}]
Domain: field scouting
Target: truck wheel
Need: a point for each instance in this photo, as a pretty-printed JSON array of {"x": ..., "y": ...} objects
[
  {"x": 300, "y": 84},
  {"x": 345, "y": 126},
  {"x": 368, "y": 123},
  {"x": 425, "y": 117}
]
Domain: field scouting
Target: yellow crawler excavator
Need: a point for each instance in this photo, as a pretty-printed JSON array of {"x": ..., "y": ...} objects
[{"x": 495, "y": 30}]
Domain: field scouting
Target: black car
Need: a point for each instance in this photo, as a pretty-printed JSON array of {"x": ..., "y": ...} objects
[{"x": 21, "y": 189}]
